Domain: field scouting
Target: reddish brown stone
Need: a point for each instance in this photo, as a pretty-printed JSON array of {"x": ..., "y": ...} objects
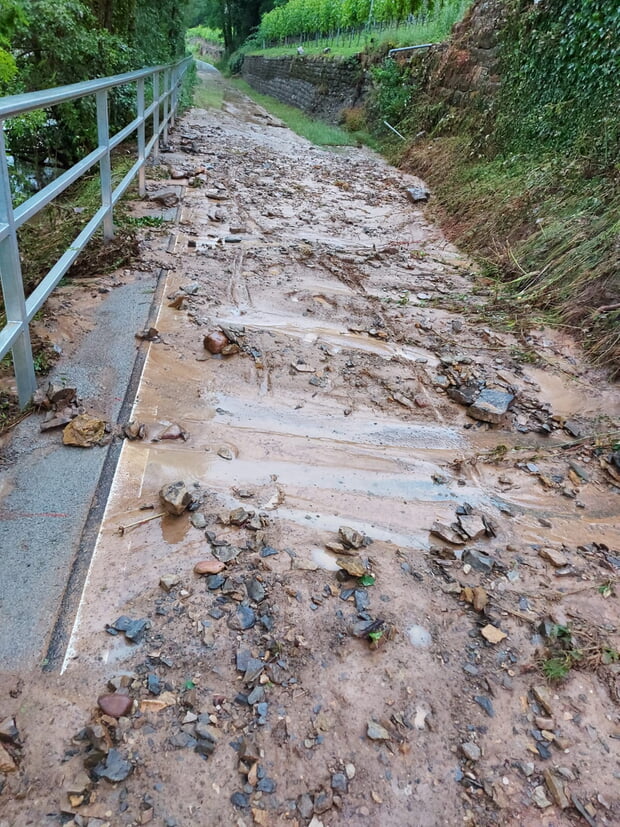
[
  {"x": 215, "y": 342},
  {"x": 209, "y": 567},
  {"x": 115, "y": 705}
]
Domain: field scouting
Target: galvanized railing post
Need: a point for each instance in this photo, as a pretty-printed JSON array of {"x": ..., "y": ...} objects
[
  {"x": 105, "y": 165},
  {"x": 13, "y": 288},
  {"x": 166, "y": 103},
  {"x": 156, "y": 114},
  {"x": 141, "y": 137},
  {"x": 173, "y": 96}
]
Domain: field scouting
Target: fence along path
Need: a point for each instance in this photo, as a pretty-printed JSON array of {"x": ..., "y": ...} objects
[{"x": 165, "y": 83}]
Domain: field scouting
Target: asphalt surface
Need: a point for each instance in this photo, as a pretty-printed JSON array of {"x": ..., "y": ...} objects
[{"x": 47, "y": 491}]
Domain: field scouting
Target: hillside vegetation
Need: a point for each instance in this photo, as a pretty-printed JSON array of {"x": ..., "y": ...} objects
[{"x": 528, "y": 178}]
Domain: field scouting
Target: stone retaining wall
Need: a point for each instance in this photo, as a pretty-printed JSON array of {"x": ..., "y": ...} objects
[{"x": 321, "y": 86}]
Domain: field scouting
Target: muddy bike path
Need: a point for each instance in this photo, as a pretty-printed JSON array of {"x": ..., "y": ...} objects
[{"x": 281, "y": 690}]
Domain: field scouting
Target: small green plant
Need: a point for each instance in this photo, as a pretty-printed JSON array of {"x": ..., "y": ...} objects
[
  {"x": 556, "y": 669},
  {"x": 609, "y": 656},
  {"x": 143, "y": 221}
]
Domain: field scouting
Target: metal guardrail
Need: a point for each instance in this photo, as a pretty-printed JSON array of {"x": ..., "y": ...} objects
[
  {"x": 20, "y": 309},
  {"x": 410, "y": 48}
]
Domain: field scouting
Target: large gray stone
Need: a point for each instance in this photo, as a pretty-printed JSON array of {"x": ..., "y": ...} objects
[{"x": 491, "y": 406}]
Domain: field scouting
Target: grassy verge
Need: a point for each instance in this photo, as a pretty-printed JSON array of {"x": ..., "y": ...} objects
[
  {"x": 319, "y": 133},
  {"x": 209, "y": 94},
  {"x": 544, "y": 229}
]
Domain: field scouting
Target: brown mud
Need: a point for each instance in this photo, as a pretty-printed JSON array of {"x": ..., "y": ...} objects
[{"x": 353, "y": 316}]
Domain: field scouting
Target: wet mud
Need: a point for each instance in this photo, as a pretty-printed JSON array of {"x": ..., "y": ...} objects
[{"x": 348, "y": 307}]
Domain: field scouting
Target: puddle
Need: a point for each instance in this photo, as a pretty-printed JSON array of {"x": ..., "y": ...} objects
[
  {"x": 174, "y": 529},
  {"x": 567, "y": 395}
]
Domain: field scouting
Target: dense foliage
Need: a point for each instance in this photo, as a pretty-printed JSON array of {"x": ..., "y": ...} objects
[
  {"x": 561, "y": 76},
  {"x": 236, "y": 19},
  {"x": 55, "y": 42},
  {"x": 319, "y": 17}
]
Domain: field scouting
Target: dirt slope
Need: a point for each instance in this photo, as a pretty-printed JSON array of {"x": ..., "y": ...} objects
[{"x": 283, "y": 691}]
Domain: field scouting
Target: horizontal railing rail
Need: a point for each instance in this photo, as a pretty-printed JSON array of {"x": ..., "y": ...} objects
[{"x": 20, "y": 309}]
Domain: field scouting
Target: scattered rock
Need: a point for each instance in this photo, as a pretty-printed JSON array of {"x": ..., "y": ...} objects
[
  {"x": 477, "y": 596},
  {"x": 115, "y": 705},
  {"x": 240, "y": 800},
  {"x": 491, "y": 406},
  {"x": 215, "y": 342},
  {"x": 167, "y": 198},
  {"x": 7, "y": 764},
  {"x": 198, "y": 520},
  {"x": 305, "y": 806},
  {"x": 376, "y": 732},
  {"x": 8, "y": 730},
  {"x": 540, "y": 799},
  {"x": 493, "y": 634},
  {"x": 115, "y": 768},
  {"x": 134, "y": 629},
  {"x": 226, "y": 553},
  {"x": 175, "y": 497},
  {"x": 304, "y": 565},
  {"x": 340, "y": 783},
  {"x": 256, "y": 590},
  {"x": 478, "y": 560},
  {"x": 169, "y": 581},
  {"x": 84, "y": 431},
  {"x": 447, "y": 533},
  {"x": 486, "y": 704},
  {"x": 473, "y": 526},
  {"x": 543, "y": 696},
  {"x": 352, "y": 565},
  {"x": 338, "y": 548},
  {"x": 471, "y": 751},
  {"x": 60, "y": 395},
  {"x": 149, "y": 334},
  {"x": 417, "y": 194},
  {"x": 556, "y": 558},
  {"x": 241, "y": 619},
  {"x": 350, "y": 537},
  {"x": 225, "y": 453},
  {"x": 323, "y": 801},
  {"x": 134, "y": 430},
  {"x": 238, "y": 517},
  {"x": 209, "y": 567}
]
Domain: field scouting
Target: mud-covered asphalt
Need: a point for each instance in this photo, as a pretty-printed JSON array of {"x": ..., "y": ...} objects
[{"x": 282, "y": 691}]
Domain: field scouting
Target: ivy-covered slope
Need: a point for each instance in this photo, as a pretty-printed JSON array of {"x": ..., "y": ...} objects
[{"x": 523, "y": 153}]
